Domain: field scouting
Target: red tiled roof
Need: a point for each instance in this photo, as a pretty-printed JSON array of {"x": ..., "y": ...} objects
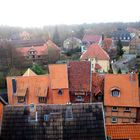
[
  {"x": 91, "y": 38},
  {"x": 95, "y": 51},
  {"x": 79, "y": 76},
  {"x": 40, "y": 50},
  {"x": 128, "y": 90},
  {"x": 58, "y": 76},
  {"x": 123, "y": 131},
  {"x": 97, "y": 83},
  {"x": 107, "y": 42}
]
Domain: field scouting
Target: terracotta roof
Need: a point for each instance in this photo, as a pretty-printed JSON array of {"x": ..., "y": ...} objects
[
  {"x": 42, "y": 91},
  {"x": 123, "y": 131},
  {"x": 95, "y": 51},
  {"x": 58, "y": 76},
  {"x": 128, "y": 85},
  {"x": 107, "y": 42},
  {"x": 40, "y": 50},
  {"x": 79, "y": 75},
  {"x": 91, "y": 38},
  {"x": 97, "y": 83},
  {"x": 52, "y": 45},
  {"x": 29, "y": 72}
]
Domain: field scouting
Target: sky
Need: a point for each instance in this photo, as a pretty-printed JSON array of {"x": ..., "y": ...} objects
[{"x": 38, "y": 13}]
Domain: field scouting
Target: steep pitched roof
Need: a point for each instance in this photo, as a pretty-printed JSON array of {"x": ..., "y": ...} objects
[
  {"x": 97, "y": 83},
  {"x": 123, "y": 131},
  {"x": 51, "y": 45},
  {"x": 29, "y": 72},
  {"x": 79, "y": 76},
  {"x": 128, "y": 85},
  {"x": 40, "y": 50},
  {"x": 17, "y": 123},
  {"x": 58, "y": 76},
  {"x": 91, "y": 38},
  {"x": 95, "y": 51},
  {"x": 107, "y": 42}
]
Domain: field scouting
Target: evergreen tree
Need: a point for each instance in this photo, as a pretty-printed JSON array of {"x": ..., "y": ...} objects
[
  {"x": 56, "y": 38},
  {"x": 37, "y": 69},
  {"x": 120, "y": 51}
]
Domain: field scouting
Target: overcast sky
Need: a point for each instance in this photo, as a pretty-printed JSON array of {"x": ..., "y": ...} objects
[{"x": 37, "y": 13}]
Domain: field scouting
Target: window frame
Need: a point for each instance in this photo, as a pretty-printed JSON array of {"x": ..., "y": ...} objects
[
  {"x": 113, "y": 120},
  {"x": 114, "y": 110},
  {"x": 115, "y": 90},
  {"x": 60, "y": 90},
  {"x": 42, "y": 100},
  {"x": 126, "y": 110},
  {"x": 21, "y": 99}
]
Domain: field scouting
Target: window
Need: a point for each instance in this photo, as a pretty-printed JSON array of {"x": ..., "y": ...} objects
[
  {"x": 79, "y": 98},
  {"x": 14, "y": 85},
  {"x": 115, "y": 93},
  {"x": 114, "y": 108},
  {"x": 60, "y": 92},
  {"x": 114, "y": 119},
  {"x": 21, "y": 99},
  {"x": 42, "y": 99},
  {"x": 127, "y": 109},
  {"x": 69, "y": 113}
]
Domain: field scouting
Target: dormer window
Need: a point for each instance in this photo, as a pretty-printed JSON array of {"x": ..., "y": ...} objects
[
  {"x": 60, "y": 92},
  {"x": 115, "y": 92}
]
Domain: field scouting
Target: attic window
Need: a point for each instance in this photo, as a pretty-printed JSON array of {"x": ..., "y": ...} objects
[
  {"x": 42, "y": 99},
  {"x": 21, "y": 99},
  {"x": 114, "y": 119},
  {"x": 114, "y": 108},
  {"x": 115, "y": 93},
  {"x": 127, "y": 109},
  {"x": 60, "y": 92}
]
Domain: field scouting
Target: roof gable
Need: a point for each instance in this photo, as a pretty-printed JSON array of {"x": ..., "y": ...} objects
[
  {"x": 29, "y": 72},
  {"x": 95, "y": 51},
  {"x": 128, "y": 92},
  {"x": 79, "y": 76},
  {"x": 58, "y": 76}
]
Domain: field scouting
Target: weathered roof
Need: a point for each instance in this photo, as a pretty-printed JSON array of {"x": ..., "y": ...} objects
[
  {"x": 79, "y": 75},
  {"x": 107, "y": 43},
  {"x": 123, "y": 131},
  {"x": 76, "y": 121},
  {"x": 91, "y": 38},
  {"x": 128, "y": 85},
  {"x": 58, "y": 76},
  {"x": 95, "y": 51},
  {"x": 29, "y": 72}
]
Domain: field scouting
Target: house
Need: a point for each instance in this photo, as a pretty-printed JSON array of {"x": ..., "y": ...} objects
[
  {"x": 89, "y": 39},
  {"x": 96, "y": 55},
  {"x": 40, "y": 89},
  {"x": 40, "y": 54},
  {"x": 129, "y": 131},
  {"x": 121, "y": 34},
  {"x": 97, "y": 87},
  {"x": 29, "y": 88},
  {"x": 50, "y": 122},
  {"x": 79, "y": 75},
  {"x": 71, "y": 43},
  {"x": 121, "y": 98},
  {"x": 59, "y": 83}
]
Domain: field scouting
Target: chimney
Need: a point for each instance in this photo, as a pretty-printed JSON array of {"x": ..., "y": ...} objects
[
  {"x": 132, "y": 76},
  {"x": 103, "y": 37}
]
